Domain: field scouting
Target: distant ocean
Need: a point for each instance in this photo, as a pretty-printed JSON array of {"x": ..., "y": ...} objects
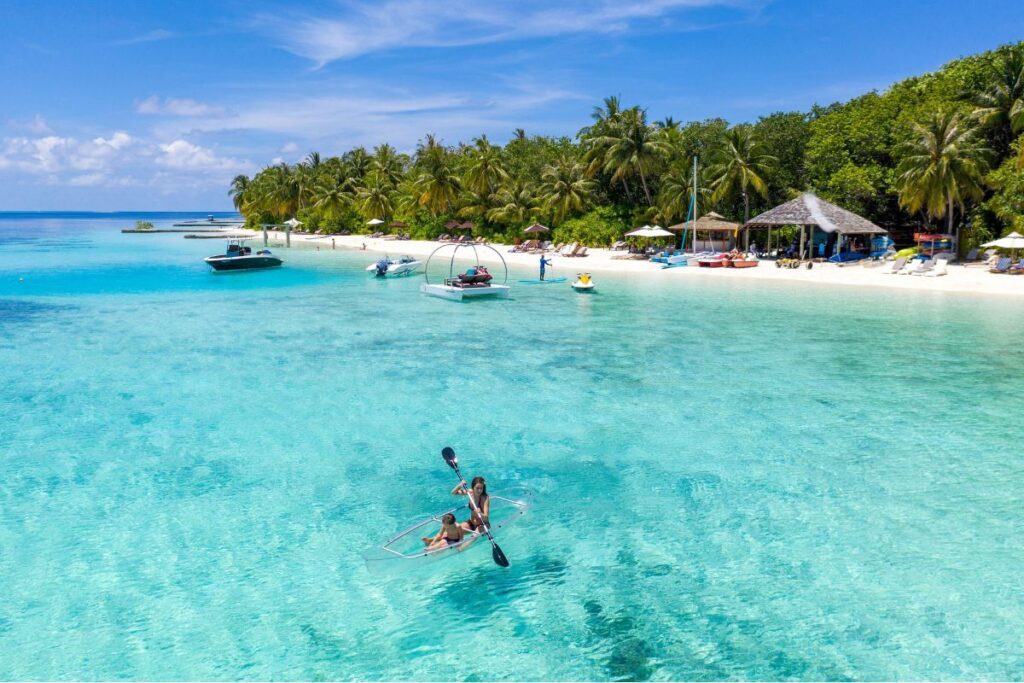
[{"x": 733, "y": 479}]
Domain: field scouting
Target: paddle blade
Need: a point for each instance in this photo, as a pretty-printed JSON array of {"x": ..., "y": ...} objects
[
  {"x": 499, "y": 557},
  {"x": 448, "y": 453}
]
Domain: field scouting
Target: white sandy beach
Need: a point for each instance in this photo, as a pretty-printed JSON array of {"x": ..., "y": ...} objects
[{"x": 967, "y": 279}]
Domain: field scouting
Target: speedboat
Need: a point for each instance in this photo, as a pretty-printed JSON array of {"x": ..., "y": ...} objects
[
  {"x": 388, "y": 267},
  {"x": 240, "y": 257},
  {"x": 583, "y": 283}
]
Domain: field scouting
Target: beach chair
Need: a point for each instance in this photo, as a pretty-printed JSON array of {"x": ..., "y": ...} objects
[
  {"x": 581, "y": 252},
  {"x": 913, "y": 266},
  {"x": 938, "y": 270},
  {"x": 1002, "y": 266},
  {"x": 972, "y": 255},
  {"x": 444, "y": 238},
  {"x": 568, "y": 249},
  {"x": 896, "y": 266},
  {"x": 620, "y": 245}
]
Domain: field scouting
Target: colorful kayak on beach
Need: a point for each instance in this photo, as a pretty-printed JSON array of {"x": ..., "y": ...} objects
[{"x": 543, "y": 282}]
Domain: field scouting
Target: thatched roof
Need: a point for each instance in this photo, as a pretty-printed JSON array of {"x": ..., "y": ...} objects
[
  {"x": 711, "y": 222},
  {"x": 809, "y": 210}
]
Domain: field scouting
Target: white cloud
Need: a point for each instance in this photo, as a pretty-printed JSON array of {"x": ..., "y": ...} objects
[
  {"x": 184, "y": 155},
  {"x": 148, "y": 37},
  {"x": 175, "y": 107},
  {"x": 117, "y": 160},
  {"x": 357, "y": 113},
  {"x": 364, "y": 27},
  {"x": 36, "y": 125}
]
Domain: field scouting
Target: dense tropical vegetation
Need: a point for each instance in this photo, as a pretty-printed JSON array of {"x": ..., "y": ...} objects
[{"x": 940, "y": 151}]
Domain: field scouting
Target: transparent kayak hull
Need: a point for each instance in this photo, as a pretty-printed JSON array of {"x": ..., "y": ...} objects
[{"x": 406, "y": 550}]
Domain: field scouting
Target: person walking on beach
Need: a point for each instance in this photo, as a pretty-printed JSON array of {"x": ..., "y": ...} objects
[{"x": 544, "y": 263}]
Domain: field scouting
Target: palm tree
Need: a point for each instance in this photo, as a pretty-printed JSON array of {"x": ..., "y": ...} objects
[
  {"x": 676, "y": 193},
  {"x": 738, "y": 166},
  {"x": 376, "y": 197},
  {"x": 387, "y": 164},
  {"x": 436, "y": 185},
  {"x": 942, "y": 167},
  {"x": 281, "y": 191},
  {"x": 485, "y": 170},
  {"x": 609, "y": 112},
  {"x": 240, "y": 190},
  {"x": 515, "y": 203},
  {"x": 632, "y": 148},
  {"x": 1001, "y": 106},
  {"x": 331, "y": 196},
  {"x": 565, "y": 188},
  {"x": 357, "y": 163},
  {"x": 519, "y": 135}
]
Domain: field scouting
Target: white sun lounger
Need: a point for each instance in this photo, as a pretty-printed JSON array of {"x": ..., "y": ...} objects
[
  {"x": 939, "y": 269},
  {"x": 896, "y": 266}
]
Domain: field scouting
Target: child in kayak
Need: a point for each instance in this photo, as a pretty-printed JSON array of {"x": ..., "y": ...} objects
[
  {"x": 450, "y": 534},
  {"x": 478, "y": 492}
]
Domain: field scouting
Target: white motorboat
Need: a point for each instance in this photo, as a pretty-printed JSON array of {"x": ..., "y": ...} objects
[{"x": 389, "y": 267}]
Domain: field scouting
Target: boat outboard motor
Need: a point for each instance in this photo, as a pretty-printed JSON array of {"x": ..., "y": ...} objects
[{"x": 382, "y": 267}]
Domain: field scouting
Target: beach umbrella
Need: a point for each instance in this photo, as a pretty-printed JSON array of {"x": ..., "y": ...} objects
[
  {"x": 466, "y": 226},
  {"x": 649, "y": 231},
  {"x": 293, "y": 223},
  {"x": 451, "y": 225},
  {"x": 374, "y": 221},
  {"x": 1013, "y": 242},
  {"x": 537, "y": 227},
  {"x": 398, "y": 224}
]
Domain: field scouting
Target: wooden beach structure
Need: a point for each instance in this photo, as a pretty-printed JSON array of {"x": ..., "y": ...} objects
[
  {"x": 712, "y": 224},
  {"x": 809, "y": 213}
]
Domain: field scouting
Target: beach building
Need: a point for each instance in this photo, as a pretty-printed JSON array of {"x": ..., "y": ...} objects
[{"x": 825, "y": 229}]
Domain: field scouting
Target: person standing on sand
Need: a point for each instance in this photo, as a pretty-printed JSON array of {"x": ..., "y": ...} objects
[{"x": 544, "y": 263}]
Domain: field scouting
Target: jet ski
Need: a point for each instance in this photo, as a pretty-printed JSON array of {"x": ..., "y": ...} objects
[{"x": 583, "y": 283}]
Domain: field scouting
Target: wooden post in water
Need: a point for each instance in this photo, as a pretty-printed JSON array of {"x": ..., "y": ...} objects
[
  {"x": 264, "y": 235},
  {"x": 801, "y": 255},
  {"x": 288, "y": 235}
]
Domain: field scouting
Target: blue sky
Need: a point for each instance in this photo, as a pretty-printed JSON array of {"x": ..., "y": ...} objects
[{"x": 157, "y": 105}]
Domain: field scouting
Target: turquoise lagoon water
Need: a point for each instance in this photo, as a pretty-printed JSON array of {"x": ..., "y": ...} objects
[{"x": 733, "y": 479}]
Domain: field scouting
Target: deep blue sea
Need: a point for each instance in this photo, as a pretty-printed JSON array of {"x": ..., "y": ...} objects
[{"x": 732, "y": 480}]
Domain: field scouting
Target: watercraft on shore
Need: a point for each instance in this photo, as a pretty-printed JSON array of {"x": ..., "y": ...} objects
[
  {"x": 237, "y": 256},
  {"x": 389, "y": 267},
  {"x": 741, "y": 262},
  {"x": 583, "y": 283},
  {"x": 716, "y": 261}
]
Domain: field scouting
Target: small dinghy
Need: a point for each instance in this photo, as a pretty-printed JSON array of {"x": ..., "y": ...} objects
[{"x": 583, "y": 283}]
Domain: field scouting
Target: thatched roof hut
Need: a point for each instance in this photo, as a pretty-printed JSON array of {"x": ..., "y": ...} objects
[
  {"x": 710, "y": 222},
  {"x": 808, "y": 210}
]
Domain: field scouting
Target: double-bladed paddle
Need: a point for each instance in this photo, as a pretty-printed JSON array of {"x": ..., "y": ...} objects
[{"x": 499, "y": 557}]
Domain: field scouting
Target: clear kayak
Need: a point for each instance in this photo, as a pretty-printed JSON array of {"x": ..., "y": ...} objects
[{"x": 406, "y": 550}]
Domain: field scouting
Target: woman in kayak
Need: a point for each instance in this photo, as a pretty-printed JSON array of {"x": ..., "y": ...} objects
[
  {"x": 478, "y": 495},
  {"x": 450, "y": 534}
]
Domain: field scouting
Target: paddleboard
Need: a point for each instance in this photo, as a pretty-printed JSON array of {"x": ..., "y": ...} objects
[{"x": 543, "y": 282}]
